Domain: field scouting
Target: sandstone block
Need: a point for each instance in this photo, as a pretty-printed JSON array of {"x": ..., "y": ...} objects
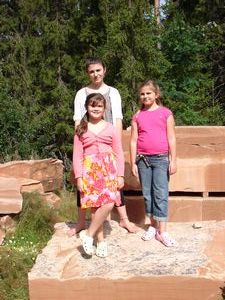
[
  {"x": 30, "y": 185},
  {"x": 48, "y": 171},
  {"x": 201, "y": 160},
  {"x": 181, "y": 209},
  {"x": 213, "y": 208},
  {"x": 134, "y": 269},
  {"x": 51, "y": 198},
  {"x": 6, "y": 222},
  {"x": 10, "y": 197}
]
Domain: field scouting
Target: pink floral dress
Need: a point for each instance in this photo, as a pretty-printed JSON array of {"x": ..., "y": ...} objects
[
  {"x": 99, "y": 180},
  {"x": 98, "y": 159}
]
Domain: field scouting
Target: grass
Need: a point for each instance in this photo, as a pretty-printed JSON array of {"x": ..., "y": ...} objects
[{"x": 34, "y": 228}]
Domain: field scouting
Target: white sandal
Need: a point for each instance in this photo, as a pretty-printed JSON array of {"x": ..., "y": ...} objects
[
  {"x": 102, "y": 249},
  {"x": 87, "y": 242},
  {"x": 149, "y": 234}
]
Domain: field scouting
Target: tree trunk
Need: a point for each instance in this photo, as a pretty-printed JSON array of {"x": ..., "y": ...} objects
[{"x": 156, "y": 9}]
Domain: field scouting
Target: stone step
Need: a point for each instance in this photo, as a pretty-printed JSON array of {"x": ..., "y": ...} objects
[
  {"x": 181, "y": 208},
  {"x": 134, "y": 269}
]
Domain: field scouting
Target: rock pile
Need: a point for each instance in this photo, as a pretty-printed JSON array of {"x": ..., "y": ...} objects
[{"x": 16, "y": 177}]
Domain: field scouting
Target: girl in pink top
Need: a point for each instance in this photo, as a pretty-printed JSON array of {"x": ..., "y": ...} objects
[
  {"x": 153, "y": 158},
  {"x": 98, "y": 164}
]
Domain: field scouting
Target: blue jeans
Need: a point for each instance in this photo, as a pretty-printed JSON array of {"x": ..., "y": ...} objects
[{"x": 153, "y": 174}]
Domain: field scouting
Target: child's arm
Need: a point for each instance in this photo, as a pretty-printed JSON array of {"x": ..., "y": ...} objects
[
  {"x": 118, "y": 150},
  {"x": 133, "y": 148},
  {"x": 78, "y": 161},
  {"x": 172, "y": 144},
  {"x": 119, "y": 127}
]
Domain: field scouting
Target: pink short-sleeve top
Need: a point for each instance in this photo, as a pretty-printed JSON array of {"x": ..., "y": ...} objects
[{"x": 152, "y": 130}]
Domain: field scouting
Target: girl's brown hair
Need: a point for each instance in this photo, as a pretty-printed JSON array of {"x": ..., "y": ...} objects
[
  {"x": 92, "y": 99},
  {"x": 155, "y": 88},
  {"x": 94, "y": 61}
]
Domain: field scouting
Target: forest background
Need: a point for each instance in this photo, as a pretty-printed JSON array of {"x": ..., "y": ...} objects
[{"x": 44, "y": 44}]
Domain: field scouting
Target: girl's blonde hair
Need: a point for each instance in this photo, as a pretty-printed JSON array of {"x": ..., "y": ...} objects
[
  {"x": 92, "y": 99},
  {"x": 154, "y": 87}
]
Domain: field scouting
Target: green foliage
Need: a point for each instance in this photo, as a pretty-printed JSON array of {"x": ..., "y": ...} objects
[
  {"x": 17, "y": 255},
  {"x": 15, "y": 133},
  {"x": 188, "y": 86},
  {"x": 34, "y": 227},
  {"x": 131, "y": 49},
  {"x": 44, "y": 44},
  {"x": 208, "y": 17},
  {"x": 14, "y": 266}
]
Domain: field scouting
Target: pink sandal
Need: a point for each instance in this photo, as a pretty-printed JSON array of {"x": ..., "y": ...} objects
[{"x": 165, "y": 239}]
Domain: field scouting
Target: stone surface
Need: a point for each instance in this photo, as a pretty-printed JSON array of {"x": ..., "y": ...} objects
[
  {"x": 47, "y": 171},
  {"x": 10, "y": 197},
  {"x": 181, "y": 209},
  {"x": 201, "y": 160},
  {"x": 51, "y": 198},
  {"x": 30, "y": 185},
  {"x": 213, "y": 208},
  {"x": 6, "y": 222},
  {"x": 134, "y": 269},
  {"x": 2, "y": 236},
  {"x": 18, "y": 177}
]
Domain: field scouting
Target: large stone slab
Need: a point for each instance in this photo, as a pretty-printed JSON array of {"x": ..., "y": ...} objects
[
  {"x": 134, "y": 269},
  {"x": 201, "y": 160},
  {"x": 47, "y": 171},
  {"x": 10, "y": 197},
  {"x": 16, "y": 177},
  {"x": 181, "y": 209},
  {"x": 30, "y": 185}
]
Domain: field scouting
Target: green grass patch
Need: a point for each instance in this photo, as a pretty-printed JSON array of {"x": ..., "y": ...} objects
[{"x": 34, "y": 228}]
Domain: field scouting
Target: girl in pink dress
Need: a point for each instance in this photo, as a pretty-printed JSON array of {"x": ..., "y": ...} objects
[{"x": 98, "y": 164}]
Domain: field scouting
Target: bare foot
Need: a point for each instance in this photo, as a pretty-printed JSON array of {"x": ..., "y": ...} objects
[
  {"x": 76, "y": 229},
  {"x": 129, "y": 226}
]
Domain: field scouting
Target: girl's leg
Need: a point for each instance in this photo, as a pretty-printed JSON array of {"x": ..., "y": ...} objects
[
  {"x": 162, "y": 226},
  {"x": 80, "y": 225},
  {"x": 99, "y": 215},
  {"x": 124, "y": 221},
  {"x": 145, "y": 176},
  {"x": 160, "y": 192},
  {"x": 100, "y": 234},
  {"x": 154, "y": 223},
  {"x": 97, "y": 218},
  {"x": 160, "y": 199}
]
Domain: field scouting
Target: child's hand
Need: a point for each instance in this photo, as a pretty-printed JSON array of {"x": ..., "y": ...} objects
[
  {"x": 134, "y": 170},
  {"x": 120, "y": 182},
  {"x": 79, "y": 184},
  {"x": 172, "y": 167}
]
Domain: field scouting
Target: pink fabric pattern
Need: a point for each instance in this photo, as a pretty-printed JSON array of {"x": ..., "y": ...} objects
[
  {"x": 99, "y": 180},
  {"x": 89, "y": 143}
]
